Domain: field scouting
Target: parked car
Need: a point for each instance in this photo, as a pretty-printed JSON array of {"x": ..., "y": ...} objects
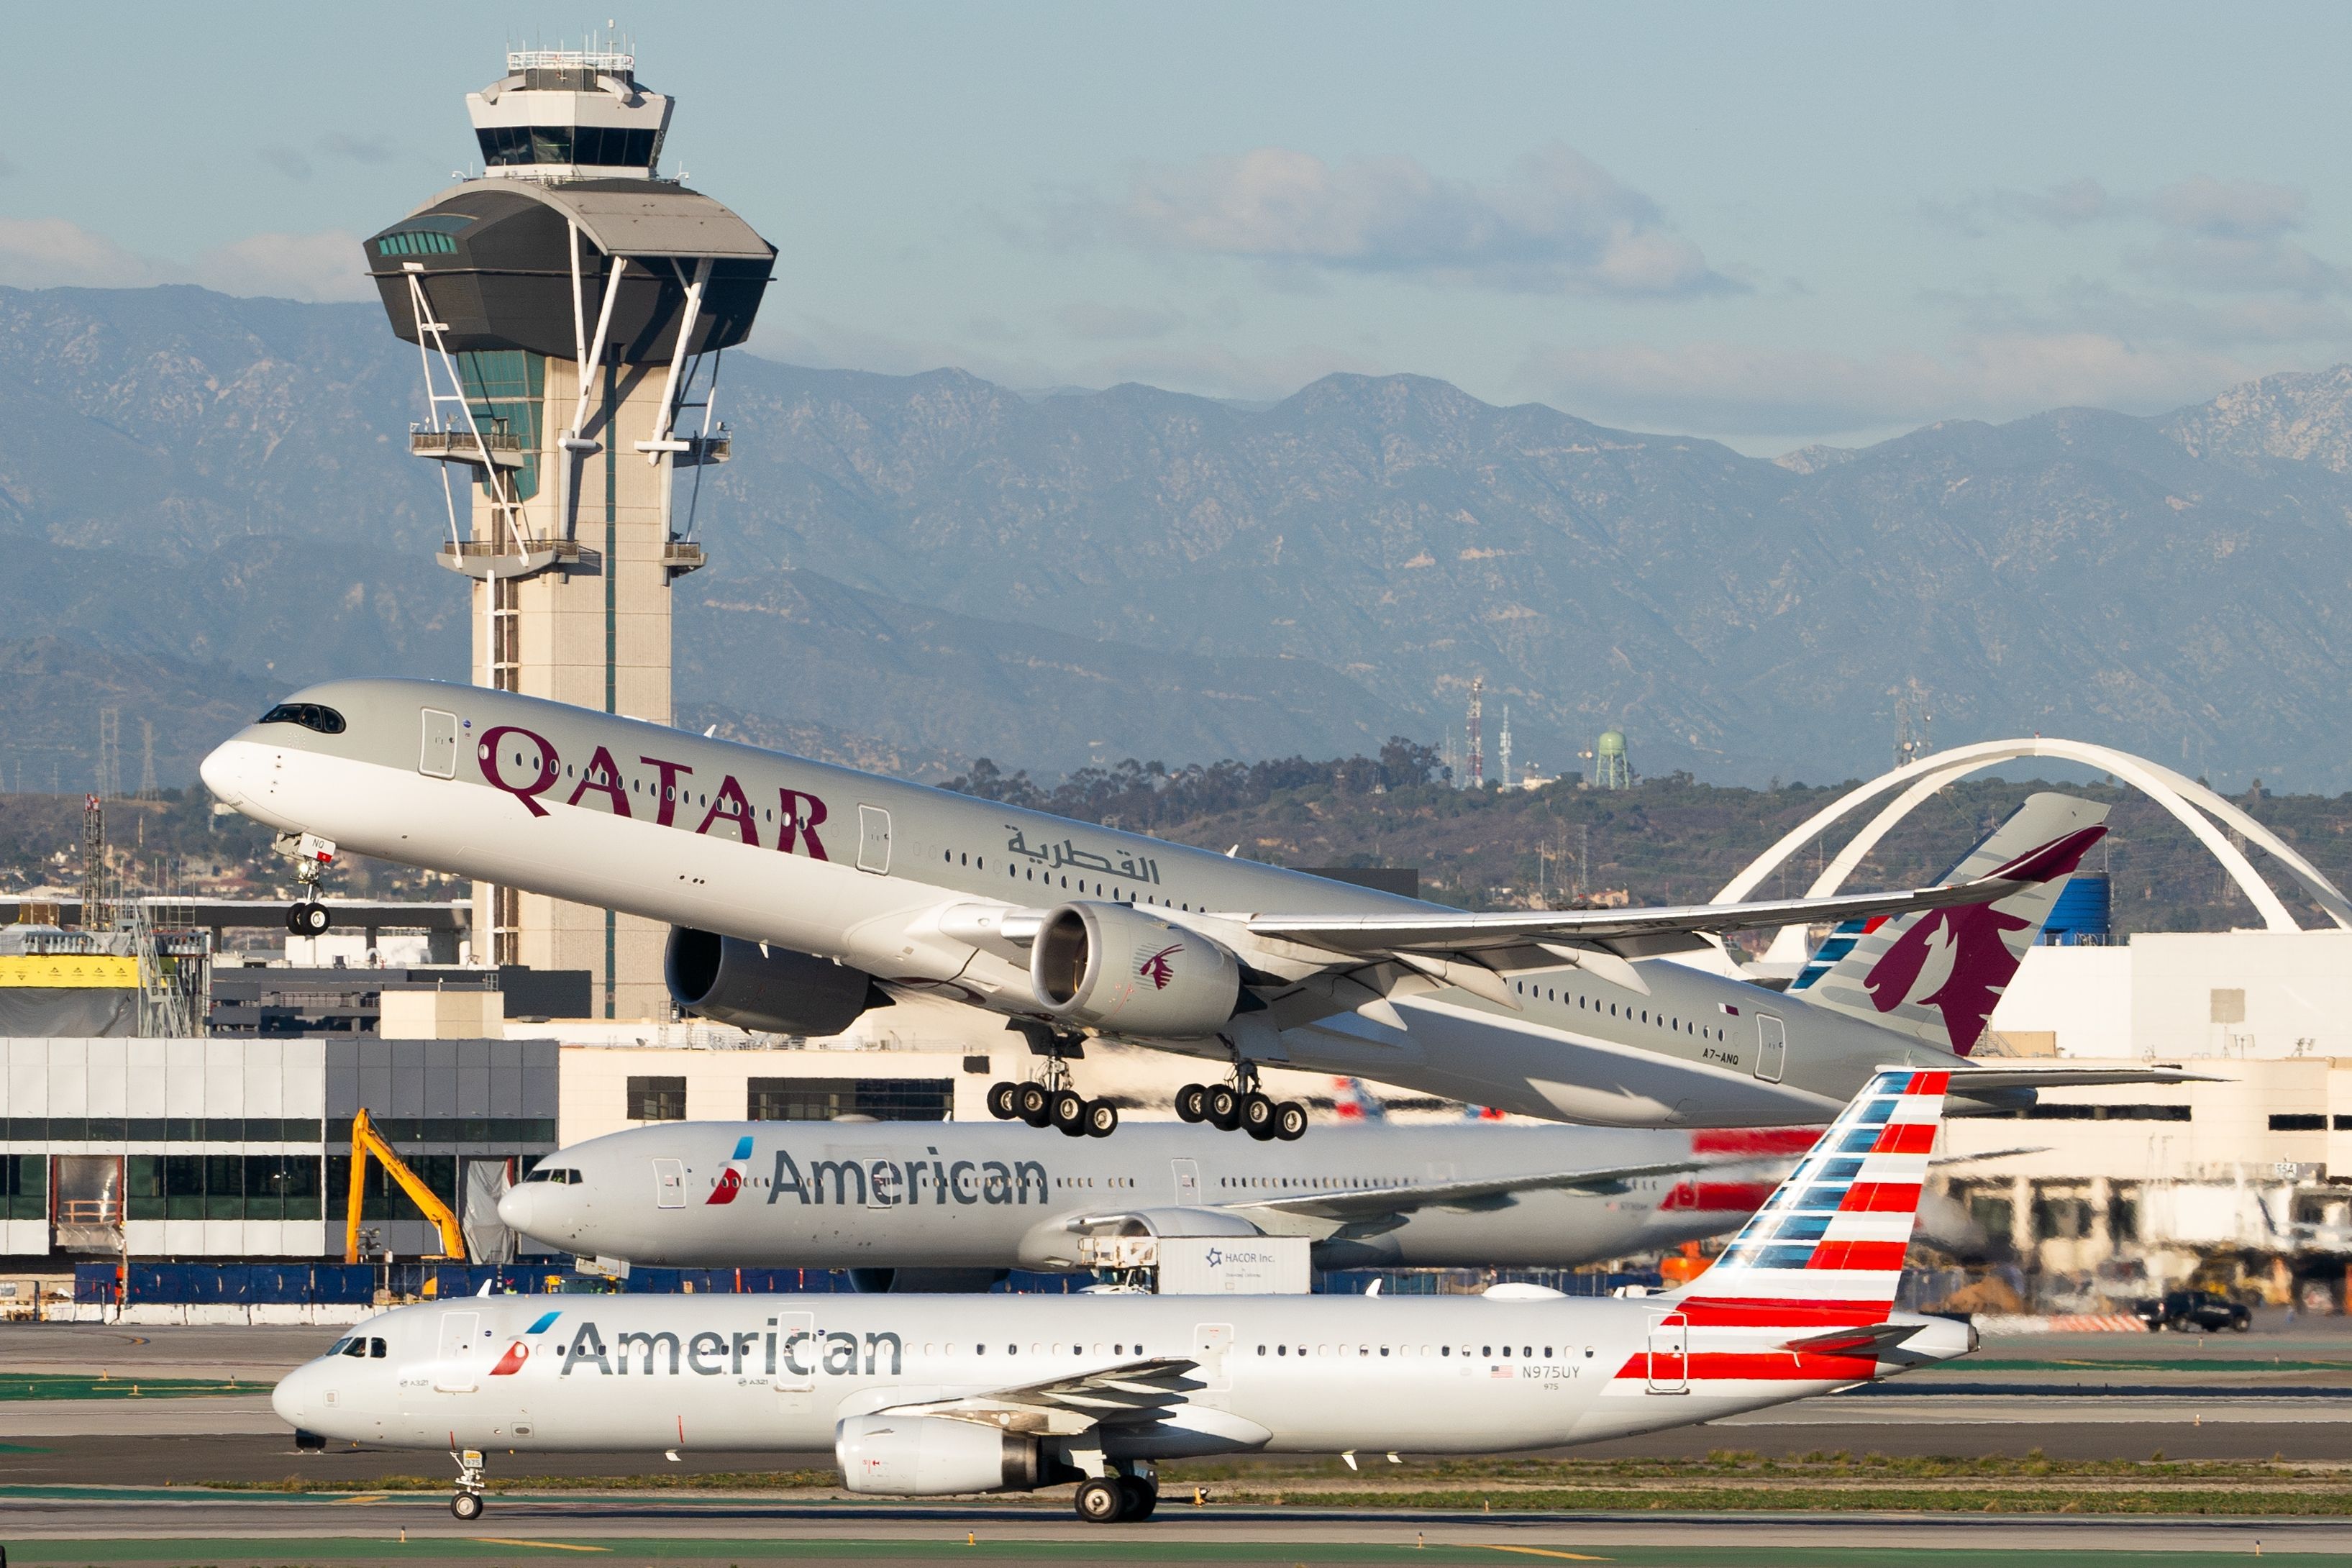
[{"x": 2181, "y": 1310}]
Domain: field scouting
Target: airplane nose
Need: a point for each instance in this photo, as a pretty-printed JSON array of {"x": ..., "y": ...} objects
[
  {"x": 291, "y": 1397},
  {"x": 533, "y": 1212},
  {"x": 222, "y": 770}
]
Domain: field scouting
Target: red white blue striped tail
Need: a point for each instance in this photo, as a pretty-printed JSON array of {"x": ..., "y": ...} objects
[{"x": 1829, "y": 1242}]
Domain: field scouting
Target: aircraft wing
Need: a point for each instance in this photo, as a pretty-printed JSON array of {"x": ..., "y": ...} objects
[
  {"x": 1130, "y": 1392},
  {"x": 1373, "y": 936},
  {"x": 1967, "y": 1080},
  {"x": 1361, "y": 1203}
]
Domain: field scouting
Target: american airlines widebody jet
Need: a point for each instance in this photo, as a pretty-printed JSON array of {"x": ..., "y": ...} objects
[
  {"x": 931, "y": 1205},
  {"x": 802, "y": 894},
  {"x": 924, "y": 1396}
]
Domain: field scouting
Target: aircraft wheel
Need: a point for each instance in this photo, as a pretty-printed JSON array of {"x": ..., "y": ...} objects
[
  {"x": 1289, "y": 1121},
  {"x": 1102, "y": 1118},
  {"x": 1191, "y": 1102},
  {"x": 1257, "y": 1116},
  {"x": 1004, "y": 1100},
  {"x": 309, "y": 918},
  {"x": 1069, "y": 1111},
  {"x": 1101, "y": 1500},
  {"x": 467, "y": 1505},
  {"x": 1034, "y": 1104},
  {"x": 1220, "y": 1108},
  {"x": 1142, "y": 1497}
]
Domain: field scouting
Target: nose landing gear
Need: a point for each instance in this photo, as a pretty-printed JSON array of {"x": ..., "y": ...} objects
[
  {"x": 313, "y": 858},
  {"x": 1241, "y": 1104},
  {"x": 467, "y": 1504}
]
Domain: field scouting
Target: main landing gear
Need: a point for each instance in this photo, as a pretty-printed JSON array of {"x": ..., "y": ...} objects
[
  {"x": 1240, "y": 1103},
  {"x": 1053, "y": 1103},
  {"x": 313, "y": 858},
  {"x": 1113, "y": 1499},
  {"x": 468, "y": 1502}
]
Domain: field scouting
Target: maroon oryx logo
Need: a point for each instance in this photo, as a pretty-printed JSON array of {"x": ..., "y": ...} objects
[{"x": 1157, "y": 970}]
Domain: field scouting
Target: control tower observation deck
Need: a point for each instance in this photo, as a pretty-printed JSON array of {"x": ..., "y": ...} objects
[{"x": 570, "y": 307}]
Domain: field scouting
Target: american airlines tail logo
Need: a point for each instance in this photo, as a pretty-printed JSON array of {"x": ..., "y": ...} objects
[
  {"x": 731, "y": 1179},
  {"x": 1963, "y": 952},
  {"x": 1157, "y": 970}
]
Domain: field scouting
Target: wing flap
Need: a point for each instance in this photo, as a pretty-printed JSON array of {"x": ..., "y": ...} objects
[{"x": 1123, "y": 1395}]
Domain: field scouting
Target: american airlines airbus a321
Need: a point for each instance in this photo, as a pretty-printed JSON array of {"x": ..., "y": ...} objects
[
  {"x": 802, "y": 894},
  {"x": 926, "y": 1396},
  {"x": 948, "y": 1205}
]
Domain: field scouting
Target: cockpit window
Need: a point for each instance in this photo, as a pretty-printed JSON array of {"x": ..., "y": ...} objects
[
  {"x": 375, "y": 1350},
  {"x": 336, "y": 1348},
  {"x": 356, "y": 1347},
  {"x": 309, "y": 715},
  {"x": 559, "y": 1175}
]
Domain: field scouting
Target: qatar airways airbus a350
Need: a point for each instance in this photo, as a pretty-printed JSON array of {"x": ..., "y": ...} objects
[{"x": 802, "y": 894}]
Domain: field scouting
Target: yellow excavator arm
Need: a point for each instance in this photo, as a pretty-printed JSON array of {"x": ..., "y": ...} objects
[{"x": 367, "y": 1140}]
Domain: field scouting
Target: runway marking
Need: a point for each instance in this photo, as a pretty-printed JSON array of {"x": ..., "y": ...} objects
[
  {"x": 1538, "y": 1551},
  {"x": 549, "y": 1545}
]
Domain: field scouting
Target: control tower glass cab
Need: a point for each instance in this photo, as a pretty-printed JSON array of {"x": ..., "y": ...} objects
[
  {"x": 571, "y": 307},
  {"x": 567, "y": 114}
]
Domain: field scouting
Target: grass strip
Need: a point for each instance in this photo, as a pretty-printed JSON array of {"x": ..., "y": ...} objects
[{"x": 63, "y": 1386}]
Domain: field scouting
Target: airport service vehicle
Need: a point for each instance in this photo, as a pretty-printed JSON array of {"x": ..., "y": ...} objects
[
  {"x": 924, "y": 1396},
  {"x": 802, "y": 894},
  {"x": 2182, "y": 1310},
  {"x": 945, "y": 1205}
]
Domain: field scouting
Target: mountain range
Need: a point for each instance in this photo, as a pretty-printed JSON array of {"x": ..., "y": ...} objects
[{"x": 206, "y": 500}]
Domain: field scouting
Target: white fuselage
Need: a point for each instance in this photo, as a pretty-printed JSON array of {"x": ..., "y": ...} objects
[
  {"x": 1278, "y": 1374},
  {"x": 921, "y": 1194},
  {"x": 896, "y": 880}
]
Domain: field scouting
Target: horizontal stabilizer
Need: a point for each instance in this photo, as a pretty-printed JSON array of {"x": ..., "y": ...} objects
[{"x": 1873, "y": 1338}]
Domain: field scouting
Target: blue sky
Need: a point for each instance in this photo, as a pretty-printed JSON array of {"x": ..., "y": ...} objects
[{"x": 1771, "y": 225}]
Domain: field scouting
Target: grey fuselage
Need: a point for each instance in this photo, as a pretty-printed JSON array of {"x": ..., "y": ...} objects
[
  {"x": 925, "y": 1194},
  {"x": 848, "y": 866}
]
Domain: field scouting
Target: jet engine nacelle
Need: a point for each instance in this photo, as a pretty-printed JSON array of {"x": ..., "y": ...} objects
[
  {"x": 1113, "y": 966},
  {"x": 775, "y": 989},
  {"x": 933, "y": 1456}
]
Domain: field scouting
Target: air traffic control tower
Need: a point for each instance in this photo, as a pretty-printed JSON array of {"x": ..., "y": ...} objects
[{"x": 568, "y": 308}]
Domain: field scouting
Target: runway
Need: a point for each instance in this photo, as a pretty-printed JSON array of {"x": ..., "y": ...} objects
[{"x": 101, "y": 1526}]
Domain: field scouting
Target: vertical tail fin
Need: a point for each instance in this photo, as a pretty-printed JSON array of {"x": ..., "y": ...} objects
[
  {"x": 1937, "y": 975},
  {"x": 1833, "y": 1235}
]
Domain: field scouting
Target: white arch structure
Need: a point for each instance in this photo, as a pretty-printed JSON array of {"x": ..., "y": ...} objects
[{"x": 2192, "y": 805}]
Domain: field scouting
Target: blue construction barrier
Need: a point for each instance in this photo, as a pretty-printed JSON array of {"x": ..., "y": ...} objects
[{"x": 229, "y": 1284}]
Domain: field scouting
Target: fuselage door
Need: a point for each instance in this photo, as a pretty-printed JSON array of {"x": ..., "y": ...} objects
[
  {"x": 669, "y": 1183},
  {"x": 873, "y": 840},
  {"x": 795, "y": 1358},
  {"x": 1187, "y": 1181},
  {"x": 1211, "y": 1341},
  {"x": 1669, "y": 1357},
  {"x": 438, "y": 757},
  {"x": 456, "y": 1368},
  {"x": 1772, "y": 1048}
]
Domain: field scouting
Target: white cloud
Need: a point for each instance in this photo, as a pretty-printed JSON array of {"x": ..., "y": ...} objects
[
  {"x": 2238, "y": 209},
  {"x": 324, "y": 267},
  {"x": 2062, "y": 205},
  {"x": 50, "y": 252},
  {"x": 287, "y": 162},
  {"x": 1737, "y": 389},
  {"x": 1559, "y": 223}
]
